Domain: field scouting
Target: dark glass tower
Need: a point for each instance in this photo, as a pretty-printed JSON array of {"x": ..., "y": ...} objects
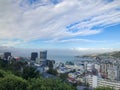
[
  {"x": 43, "y": 55},
  {"x": 34, "y": 55},
  {"x": 7, "y": 55}
]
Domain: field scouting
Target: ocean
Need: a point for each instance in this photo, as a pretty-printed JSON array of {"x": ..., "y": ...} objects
[{"x": 61, "y": 58}]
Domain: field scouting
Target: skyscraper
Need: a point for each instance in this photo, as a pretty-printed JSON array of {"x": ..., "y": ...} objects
[
  {"x": 43, "y": 55},
  {"x": 34, "y": 55},
  {"x": 7, "y": 55}
]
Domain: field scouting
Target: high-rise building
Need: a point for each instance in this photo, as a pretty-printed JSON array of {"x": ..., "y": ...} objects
[
  {"x": 34, "y": 56},
  {"x": 118, "y": 72},
  {"x": 7, "y": 55},
  {"x": 112, "y": 73},
  {"x": 95, "y": 81},
  {"x": 43, "y": 55}
]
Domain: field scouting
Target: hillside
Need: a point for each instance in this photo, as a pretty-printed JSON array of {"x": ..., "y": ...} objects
[{"x": 115, "y": 54}]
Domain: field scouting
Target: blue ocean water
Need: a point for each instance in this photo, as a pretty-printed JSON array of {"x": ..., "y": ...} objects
[{"x": 61, "y": 58}]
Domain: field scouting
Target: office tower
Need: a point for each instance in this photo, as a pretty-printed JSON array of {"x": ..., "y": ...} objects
[
  {"x": 43, "y": 55},
  {"x": 34, "y": 56},
  {"x": 7, "y": 55},
  {"x": 103, "y": 70},
  {"x": 112, "y": 73},
  {"x": 118, "y": 72}
]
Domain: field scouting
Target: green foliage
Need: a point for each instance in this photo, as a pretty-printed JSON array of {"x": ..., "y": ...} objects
[
  {"x": 13, "y": 66},
  {"x": 19, "y": 68},
  {"x": 116, "y": 54},
  {"x": 48, "y": 84},
  {"x": 11, "y": 82},
  {"x": 3, "y": 64},
  {"x": 64, "y": 76},
  {"x": 69, "y": 63},
  {"x": 73, "y": 71},
  {"x": 30, "y": 72},
  {"x": 19, "y": 76},
  {"x": 52, "y": 71},
  {"x": 2, "y": 73},
  {"x": 103, "y": 88},
  {"x": 50, "y": 64},
  {"x": 16, "y": 67}
]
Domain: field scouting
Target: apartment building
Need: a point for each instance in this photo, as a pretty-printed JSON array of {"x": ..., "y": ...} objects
[{"x": 94, "y": 82}]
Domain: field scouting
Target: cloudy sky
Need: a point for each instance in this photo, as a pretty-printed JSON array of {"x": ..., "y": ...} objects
[{"x": 60, "y": 24}]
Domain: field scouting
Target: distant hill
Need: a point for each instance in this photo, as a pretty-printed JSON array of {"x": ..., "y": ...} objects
[{"x": 115, "y": 54}]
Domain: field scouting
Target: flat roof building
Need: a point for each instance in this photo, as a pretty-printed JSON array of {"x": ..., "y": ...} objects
[
  {"x": 34, "y": 56},
  {"x": 43, "y": 55},
  {"x": 7, "y": 55}
]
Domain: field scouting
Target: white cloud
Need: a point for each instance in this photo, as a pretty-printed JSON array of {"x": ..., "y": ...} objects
[
  {"x": 74, "y": 41},
  {"x": 96, "y": 50},
  {"x": 10, "y": 43},
  {"x": 49, "y": 21}
]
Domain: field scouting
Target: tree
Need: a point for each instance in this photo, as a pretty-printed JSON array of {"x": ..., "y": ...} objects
[
  {"x": 104, "y": 88},
  {"x": 13, "y": 83},
  {"x": 48, "y": 84},
  {"x": 69, "y": 63},
  {"x": 64, "y": 76},
  {"x": 15, "y": 67},
  {"x": 52, "y": 71},
  {"x": 29, "y": 79},
  {"x": 30, "y": 72},
  {"x": 50, "y": 63},
  {"x": 3, "y": 64}
]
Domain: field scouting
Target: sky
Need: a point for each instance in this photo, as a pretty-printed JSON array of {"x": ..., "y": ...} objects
[{"x": 60, "y": 24}]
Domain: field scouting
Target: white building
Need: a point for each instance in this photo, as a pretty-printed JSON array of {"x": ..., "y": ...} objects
[
  {"x": 94, "y": 82},
  {"x": 90, "y": 67},
  {"x": 97, "y": 66},
  {"x": 118, "y": 73},
  {"x": 79, "y": 67},
  {"x": 112, "y": 73}
]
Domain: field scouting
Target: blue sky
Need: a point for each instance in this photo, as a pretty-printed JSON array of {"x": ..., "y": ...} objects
[{"x": 60, "y": 24}]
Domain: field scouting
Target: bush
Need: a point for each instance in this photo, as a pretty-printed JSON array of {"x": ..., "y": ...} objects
[
  {"x": 30, "y": 72},
  {"x": 13, "y": 83},
  {"x": 104, "y": 88},
  {"x": 48, "y": 84},
  {"x": 52, "y": 71}
]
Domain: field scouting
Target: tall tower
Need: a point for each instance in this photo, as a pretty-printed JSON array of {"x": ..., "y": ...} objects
[
  {"x": 118, "y": 72},
  {"x": 43, "y": 57},
  {"x": 7, "y": 55},
  {"x": 34, "y": 56}
]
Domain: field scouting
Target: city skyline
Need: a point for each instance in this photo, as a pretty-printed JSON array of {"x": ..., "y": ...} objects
[{"x": 60, "y": 24}]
